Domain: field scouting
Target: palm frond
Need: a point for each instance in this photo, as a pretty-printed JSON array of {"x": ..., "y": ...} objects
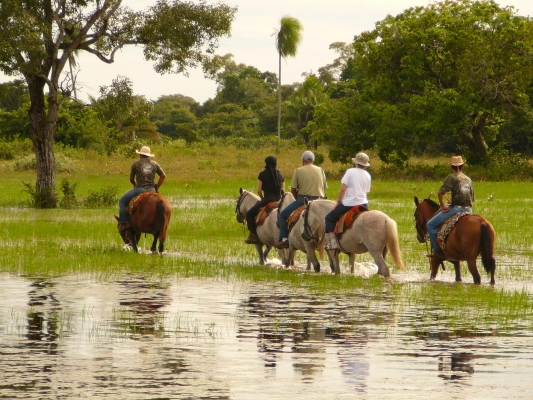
[{"x": 289, "y": 36}]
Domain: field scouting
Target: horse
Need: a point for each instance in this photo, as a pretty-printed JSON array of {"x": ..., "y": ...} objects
[
  {"x": 267, "y": 232},
  {"x": 296, "y": 242},
  {"x": 471, "y": 236},
  {"x": 373, "y": 232},
  {"x": 151, "y": 215}
]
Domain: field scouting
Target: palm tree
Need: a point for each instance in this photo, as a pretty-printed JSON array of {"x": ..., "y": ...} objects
[{"x": 288, "y": 38}]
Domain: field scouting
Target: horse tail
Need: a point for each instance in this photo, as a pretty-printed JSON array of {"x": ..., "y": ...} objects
[
  {"x": 161, "y": 219},
  {"x": 487, "y": 247},
  {"x": 393, "y": 242},
  {"x": 321, "y": 251}
]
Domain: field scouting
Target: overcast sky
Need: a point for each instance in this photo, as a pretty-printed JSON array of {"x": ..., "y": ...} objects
[{"x": 251, "y": 43}]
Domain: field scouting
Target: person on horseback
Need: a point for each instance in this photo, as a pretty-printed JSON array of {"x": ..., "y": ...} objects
[
  {"x": 142, "y": 177},
  {"x": 308, "y": 182},
  {"x": 462, "y": 191},
  {"x": 270, "y": 185},
  {"x": 353, "y": 192}
]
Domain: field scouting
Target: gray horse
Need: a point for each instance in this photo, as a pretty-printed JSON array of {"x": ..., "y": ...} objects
[
  {"x": 267, "y": 232},
  {"x": 373, "y": 232}
]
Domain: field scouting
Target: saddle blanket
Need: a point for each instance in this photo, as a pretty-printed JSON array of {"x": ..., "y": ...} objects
[
  {"x": 347, "y": 219},
  {"x": 137, "y": 200},
  {"x": 264, "y": 212},
  {"x": 293, "y": 218},
  {"x": 447, "y": 227}
]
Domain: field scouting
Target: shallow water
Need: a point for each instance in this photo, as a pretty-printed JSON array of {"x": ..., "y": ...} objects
[{"x": 131, "y": 338}]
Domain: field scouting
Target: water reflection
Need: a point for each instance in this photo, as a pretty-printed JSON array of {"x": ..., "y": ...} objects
[{"x": 456, "y": 366}]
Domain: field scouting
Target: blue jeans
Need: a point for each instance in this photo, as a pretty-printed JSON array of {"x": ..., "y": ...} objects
[
  {"x": 434, "y": 224},
  {"x": 123, "y": 215},
  {"x": 286, "y": 213}
]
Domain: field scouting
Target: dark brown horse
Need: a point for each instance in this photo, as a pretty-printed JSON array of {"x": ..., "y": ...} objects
[
  {"x": 473, "y": 235},
  {"x": 151, "y": 215}
]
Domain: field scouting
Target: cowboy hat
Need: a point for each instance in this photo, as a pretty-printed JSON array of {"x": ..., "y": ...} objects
[
  {"x": 361, "y": 159},
  {"x": 145, "y": 151},
  {"x": 457, "y": 161}
]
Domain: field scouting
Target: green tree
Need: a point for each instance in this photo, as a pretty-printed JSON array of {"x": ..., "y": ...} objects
[
  {"x": 454, "y": 69},
  {"x": 37, "y": 40},
  {"x": 288, "y": 38},
  {"x": 13, "y": 95}
]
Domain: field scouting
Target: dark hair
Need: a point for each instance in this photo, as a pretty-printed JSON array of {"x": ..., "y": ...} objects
[{"x": 271, "y": 163}]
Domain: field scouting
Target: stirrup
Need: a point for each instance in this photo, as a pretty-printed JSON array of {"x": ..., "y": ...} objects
[{"x": 332, "y": 244}]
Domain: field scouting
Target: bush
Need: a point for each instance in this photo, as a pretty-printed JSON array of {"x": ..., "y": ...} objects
[
  {"x": 29, "y": 163},
  {"x": 105, "y": 197},
  {"x": 69, "y": 199}
]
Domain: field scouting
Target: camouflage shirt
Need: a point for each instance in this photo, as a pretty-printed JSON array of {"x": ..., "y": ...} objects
[
  {"x": 144, "y": 171},
  {"x": 461, "y": 188}
]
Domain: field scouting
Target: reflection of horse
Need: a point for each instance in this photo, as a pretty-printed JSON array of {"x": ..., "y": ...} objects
[
  {"x": 372, "y": 231},
  {"x": 151, "y": 215},
  {"x": 267, "y": 232},
  {"x": 472, "y": 235},
  {"x": 296, "y": 242}
]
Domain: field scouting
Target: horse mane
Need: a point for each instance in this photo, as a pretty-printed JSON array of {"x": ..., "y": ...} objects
[{"x": 432, "y": 203}]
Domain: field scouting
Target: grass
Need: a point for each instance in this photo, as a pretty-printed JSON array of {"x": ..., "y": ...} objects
[{"x": 205, "y": 241}]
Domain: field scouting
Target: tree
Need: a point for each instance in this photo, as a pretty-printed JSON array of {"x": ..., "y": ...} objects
[
  {"x": 451, "y": 70},
  {"x": 37, "y": 40},
  {"x": 288, "y": 38}
]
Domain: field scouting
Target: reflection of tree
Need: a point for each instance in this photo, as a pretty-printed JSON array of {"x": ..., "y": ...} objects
[
  {"x": 43, "y": 317},
  {"x": 140, "y": 302},
  {"x": 457, "y": 366}
]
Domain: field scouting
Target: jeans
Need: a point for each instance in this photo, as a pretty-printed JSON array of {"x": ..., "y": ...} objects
[
  {"x": 286, "y": 213},
  {"x": 333, "y": 216},
  {"x": 252, "y": 212},
  {"x": 123, "y": 215},
  {"x": 434, "y": 224}
]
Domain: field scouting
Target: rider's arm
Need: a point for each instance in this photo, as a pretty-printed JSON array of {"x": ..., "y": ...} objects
[
  {"x": 342, "y": 192},
  {"x": 294, "y": 192},
  {"x": 260, "y": 188},
  {"x": 132, "y": 179},
  {"x": 443, "y": 207},
  {"x": 161, "y": 179}
]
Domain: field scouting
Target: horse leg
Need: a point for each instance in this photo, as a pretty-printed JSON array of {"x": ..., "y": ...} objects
[
  {"x": 351, "y": 261},
  {"x": 154, "y": 243},
  {"x": 457, "y": 267},
  {"x": 473, "y": 270},
  {"x": 383, "y": 268},
  {"x": 434, "y": 264},
  {"x": 265, "y": 252},
  {"x": 134, "y": 240},
  {"x": 259, "y": 249}
]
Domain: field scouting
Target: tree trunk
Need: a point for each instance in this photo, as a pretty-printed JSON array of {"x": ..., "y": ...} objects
[
  {"x": 42, "y": 128},
  {"x": 474, "y": 140},
  {"x": 279, "y": 104}
]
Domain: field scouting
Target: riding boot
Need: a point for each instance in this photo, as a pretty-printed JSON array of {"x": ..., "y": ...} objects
[
  {"x": 282, "y": 244},
  {"x": 333, "y": 244},
  {"x": 252, "y": 239}
]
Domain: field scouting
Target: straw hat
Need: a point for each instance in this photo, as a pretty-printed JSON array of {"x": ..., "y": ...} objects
[
  {"x": 145, "y": 151},
  {"x": 457, "y": 161},
  {"x": 361, "y": 159}
]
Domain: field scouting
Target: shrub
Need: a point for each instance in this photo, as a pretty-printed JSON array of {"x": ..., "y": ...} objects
[
  {"x": 105, "y": 197},
  {"x": 69, "y": 199},
  {"x": 29, "y": 163}
]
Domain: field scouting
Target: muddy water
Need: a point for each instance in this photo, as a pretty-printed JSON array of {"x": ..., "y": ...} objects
[{"x": 133, "y": 338}]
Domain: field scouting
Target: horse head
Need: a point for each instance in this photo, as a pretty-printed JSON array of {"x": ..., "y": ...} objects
[
  {"x": 126, "y": 234},
  {"x": 245, "y": 201},
  {"x": 425, "y": 210}
]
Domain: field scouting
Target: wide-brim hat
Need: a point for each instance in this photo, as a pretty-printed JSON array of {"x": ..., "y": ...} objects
[
  {"x": 456, "y": 161},
  {"x": 361, "y": 159},
  {"x": 145, "y": 151}
]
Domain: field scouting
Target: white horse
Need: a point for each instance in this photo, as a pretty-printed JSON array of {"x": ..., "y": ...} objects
[
  {"x": 296, "y": 242},
  {"x": 373, "y": 232},
  {"x": 267, "y": 232}
]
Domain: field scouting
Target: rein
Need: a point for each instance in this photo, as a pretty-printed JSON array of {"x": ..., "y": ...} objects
[
  {"x": 307, "y": 234},
  {"x": 240, "y": 218}
]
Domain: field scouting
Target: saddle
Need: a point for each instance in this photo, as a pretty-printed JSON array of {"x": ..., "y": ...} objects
[
  {"x": 134, "y": 203},
  {"x": 347, "y": 219},
  {"x": 447, "y": 227},
  {"x": 264, "y": 212},
  {"x": 293, "y": 218}
]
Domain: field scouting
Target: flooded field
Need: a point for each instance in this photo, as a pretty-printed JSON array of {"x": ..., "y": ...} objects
[{"x": 134, "y": 337}]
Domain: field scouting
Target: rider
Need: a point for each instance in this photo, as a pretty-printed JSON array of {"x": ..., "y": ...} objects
[
  {"x": 355, "y": 185},
  {"x": 308, "y": 182},
  {"x": 462, "y": 192},
  {"x": 142, "y": 177},
  {"x": 271, "y": 182}
]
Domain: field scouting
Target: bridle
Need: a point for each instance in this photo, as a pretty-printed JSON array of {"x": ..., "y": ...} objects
[
  {"x": 307, "y": 234},
  {"x": 240, "y": 217}
]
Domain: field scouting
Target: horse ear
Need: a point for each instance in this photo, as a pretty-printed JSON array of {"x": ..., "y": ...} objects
[
  {"x": 306, "y": 202},
  {"x": 416, "y": 201},
  {"x": 240, "y": 190},
  {"x": 116, "y": 217}
]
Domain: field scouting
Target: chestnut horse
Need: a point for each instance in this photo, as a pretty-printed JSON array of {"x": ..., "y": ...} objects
[
  {"x": 152, "y": 215},
  {"x": 473, "y": 235}
]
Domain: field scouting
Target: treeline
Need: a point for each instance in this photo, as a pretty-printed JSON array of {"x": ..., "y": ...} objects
[{"x": 449, "y": 78}]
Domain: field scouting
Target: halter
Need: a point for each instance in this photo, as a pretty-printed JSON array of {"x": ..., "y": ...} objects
[
  {"x": 240, "y": 218},
  {"x": 307, "y": 234}
]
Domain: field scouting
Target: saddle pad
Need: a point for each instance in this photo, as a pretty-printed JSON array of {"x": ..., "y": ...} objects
[
  {"x": 347, "y": 219},
  {"x": 137, "y": 200},
  {"x": 264, "y": 212},
  {"x": 447, "y": 227},
  {"x": 293, "y": 218}
]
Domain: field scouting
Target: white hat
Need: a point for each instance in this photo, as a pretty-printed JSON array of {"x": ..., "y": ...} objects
[
  {"x": 145, "y": 151},
  {"x": 361, "y": 159}
]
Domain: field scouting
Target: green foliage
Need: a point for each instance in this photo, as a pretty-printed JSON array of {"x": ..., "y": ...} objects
[
  {"x": 13, "y": 95},
  {"x": 289, "y": 36},
  {"x": 105, "y": 197},
  {"x": 29, "y": 163},
  {"x": 69, "y": 199},
  {"x": 9, "y": 149},
  {"x": 39, "y": 198}
]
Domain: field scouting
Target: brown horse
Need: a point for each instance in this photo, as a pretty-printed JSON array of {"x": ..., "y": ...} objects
[
  {"x": 152, "y": 215},
  {"x": 473, "y": 235}
]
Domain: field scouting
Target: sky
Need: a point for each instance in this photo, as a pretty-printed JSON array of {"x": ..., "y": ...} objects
[{"x": 252, "y": 43}]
